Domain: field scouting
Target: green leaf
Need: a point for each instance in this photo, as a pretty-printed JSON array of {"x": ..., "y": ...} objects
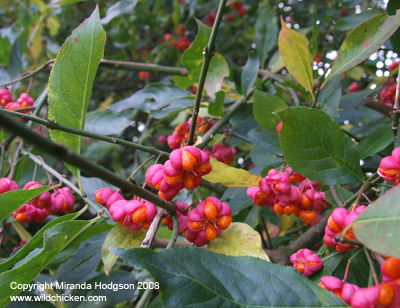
[
  {"x": 265, "y": 147},
  {"x": 35, "y": 242},
  {"x": 376, "y": 141},
  {"x": 343, "y": 193},
  {"x": 397, "y": 143},
  {"x": 86, "y": 257},
  {"x": 193, "y": 277},
  {"x": 71, "y": 81},
  {"x": 315, "y": 146},
  {"x": 119, "y": 8},
  {"x": 229, "y": 176},
  {"x": 55, "y": 240},
  {"x": 352, "y": 100},
  {"x": 154, "y": 97},
  {"x": 313, "y": 46},
  {"x": 286, "y": 223},
  {"x": 239, "y": 239},
  {"x": 5, "y": 51},
  {"x": 353, "y": 21},
  {"x": 330, "y": 97},
  {"x": 120, "y": 237},
  {"x": 359, "y": 268},
  {"x": 293, "y": 47},
  {"x": 217, "y": 71},
  {"x": 250, "y": 72},
  {"x": 263, "y": 107},
  {"x": 14, "y": 199},
  {"x": 105, "y": 122},
  {"x": 217, "y": 108},
  {"x": 392, "y": 7},
  {"x": 266, "y": 32},
  {"x": 237, "y": 199},
  {"x": 364, "y": 41},
  {"x": 330, "y": 263},
  {"x": 378, "y": 226},
  {"x": 182, "y": 81},
  {"x": 252, "y": 218},
  {"x": 192, "y": 59}
]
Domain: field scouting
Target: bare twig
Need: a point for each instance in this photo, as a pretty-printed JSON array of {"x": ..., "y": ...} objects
[{"x": 148, "y": 240}]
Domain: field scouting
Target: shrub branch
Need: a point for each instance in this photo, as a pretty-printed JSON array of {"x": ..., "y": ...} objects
[{"x": 62, "y": 153}]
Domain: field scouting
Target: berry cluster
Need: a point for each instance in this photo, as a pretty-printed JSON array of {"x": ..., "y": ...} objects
[
  {"x": 181, "y": 44},
  {"x": 223, "y": 153},
  {"x": 181, "y": 133},
  {"x": 337, "y": 222},
  {"x": 184, "y": 169},
  {"x": 276, "y": 190},
  {"x": 145, "y": 75},
  {"x": 132, "y": 214},
  {"x": 389, "y": 168},
  {"x": 385, "y": 294},
  {"x": 43, "y": 205},
  {"x": 207, "y": 220},
  {"x": 306, "y": 262},
  {"x": 388, "y": 93},
  {"x": 236, "y": 6},
  {"x": 23, "y": 101}
]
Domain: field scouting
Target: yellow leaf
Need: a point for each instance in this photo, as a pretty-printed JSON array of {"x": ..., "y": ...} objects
[
  {"x": 229, "y": 176},
  {"x": 286, "y": 223},
  {"x": 239, "y": 239},
  {"x": 119, "y": 237},
  {"x": 23, "y": 234}
]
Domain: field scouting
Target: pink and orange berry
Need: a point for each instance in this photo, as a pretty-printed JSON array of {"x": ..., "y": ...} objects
[
  {"x": 277, "y": 190},
  {"x": 184, "y": 169},
  {"x": 385, "y": 294},
  {"x": 43, "y": 205},
  {"x": 337, "y": 222},
  {"x": 207, "y": 220},
  {"x": 306, "y": 262},
  {"x": 389, "y": 168}
]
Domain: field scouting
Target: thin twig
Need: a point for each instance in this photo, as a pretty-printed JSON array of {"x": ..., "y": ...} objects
[
  {"x": 208, "y": 52},
  {"x": 56, "y": 126},
  {"x": 335, "y": 195},
  {"x": 60, "y": 152},
  {"x": 348, "y": 265},
  {"x": 371, "y": 266},
  {"x": 266, "y": 231},
  {"x": 395, "y": 112},
  {"x": 39, "y": 161},
  {"x": 148, "y": 240},
  {"x": 140, "y": 167},
  {"x": 343, "y": 240},
  {"x": 375, "y": 178},
  {"x": 175, "y": 230}
]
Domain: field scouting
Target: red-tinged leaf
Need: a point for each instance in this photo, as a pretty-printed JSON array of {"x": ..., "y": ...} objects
[{"x": 364, "y": 41}]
